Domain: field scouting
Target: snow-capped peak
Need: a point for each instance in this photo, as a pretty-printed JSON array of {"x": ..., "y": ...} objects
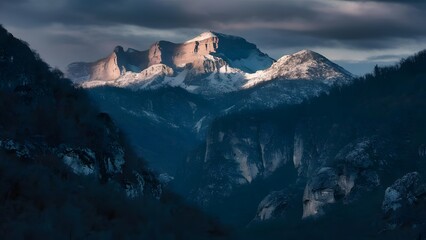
[
  {"x": 210, "y": 63},
  {"x": 307, "y": 52},
  {"x": 202, "y": 36},
  {"x": 302, "y": 56},
  {"x": 303, "y": 65},
  {"x": 220, "y": 77}
]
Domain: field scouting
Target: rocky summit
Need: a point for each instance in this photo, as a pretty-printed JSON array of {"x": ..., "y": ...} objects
[{"x": 211, "y": 63}]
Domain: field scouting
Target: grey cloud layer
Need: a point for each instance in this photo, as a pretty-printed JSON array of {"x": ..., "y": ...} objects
[
  {"x": 390, "y": 1},
  {"x": 311, "y": 17},
  {"x": 353, "y": 24}
]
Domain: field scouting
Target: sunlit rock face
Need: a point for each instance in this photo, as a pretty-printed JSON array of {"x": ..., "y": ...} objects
[
  {"x": 209, "y": 64},
  {"x": 203, "y": 54}
]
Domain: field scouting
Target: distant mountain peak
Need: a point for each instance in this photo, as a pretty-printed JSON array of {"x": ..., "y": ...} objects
[
  {"x": 209, "y": 63},
  {"x": 211, "y": 34},
  {"x": 303, "y": 65},
  {"x": 303, "y": 55},
  {"x": 202, "y": 36},
  {"x": 305, "y": 51},
  {"x": 205, "y": 54}
]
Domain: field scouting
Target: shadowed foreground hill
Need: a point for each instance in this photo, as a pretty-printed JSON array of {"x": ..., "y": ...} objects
[
  {"x": 345, "y": 165},
  {"x": 65, "y": 171}
]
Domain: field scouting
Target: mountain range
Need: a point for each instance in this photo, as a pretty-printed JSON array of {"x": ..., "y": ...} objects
[
  {"x": 169, "y": 94},
  {"x": 286, "y": 142},
  {"x": 157, "y": 144},
  {"x": 211, "y": 63}
]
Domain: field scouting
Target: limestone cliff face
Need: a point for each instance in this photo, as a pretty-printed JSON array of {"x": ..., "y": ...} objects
[
  {"x": 204, "y": 54},
  {"x": 106, "y": 69},
  {"x": 109, "y": 68}
]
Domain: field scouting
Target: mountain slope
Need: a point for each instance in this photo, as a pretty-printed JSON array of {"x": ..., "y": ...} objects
[
  {"x": 303, "y": 65},
  {"x": 143, "y": 110},
  {"x": 203, "y": 54},
  {"x": 209, "y": 64},
  {"x": 346, "y": 163},
  {"x": 66, "y": 171}
]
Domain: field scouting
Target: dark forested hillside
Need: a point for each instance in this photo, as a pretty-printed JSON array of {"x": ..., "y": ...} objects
[
  {"x": 65, "y": 170},
  {"x": 347, "y": 162}
]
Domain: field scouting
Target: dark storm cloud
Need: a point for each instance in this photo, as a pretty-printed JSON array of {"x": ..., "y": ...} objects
[
  {"x": 389, "y": 1},
  {"x": 97, "y": 12},
  {"x": 305, "y": 18},
  {"x": 271, "y": 24},
  {"x": 367, "y": 34},
  {"x": 153, "y": 13}
]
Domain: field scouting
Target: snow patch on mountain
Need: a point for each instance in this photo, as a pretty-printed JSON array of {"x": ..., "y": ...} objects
[
  {"x": 303, "y": 65},
  {"x": 255, "y": 61},
  {"x": 202, "y": 36},
  {"x": 141, "y": 80},
  {"x": 209, "y": 64}
]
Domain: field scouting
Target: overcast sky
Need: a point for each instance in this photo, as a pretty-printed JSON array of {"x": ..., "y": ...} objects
[{"x": 356, "y": 34}]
